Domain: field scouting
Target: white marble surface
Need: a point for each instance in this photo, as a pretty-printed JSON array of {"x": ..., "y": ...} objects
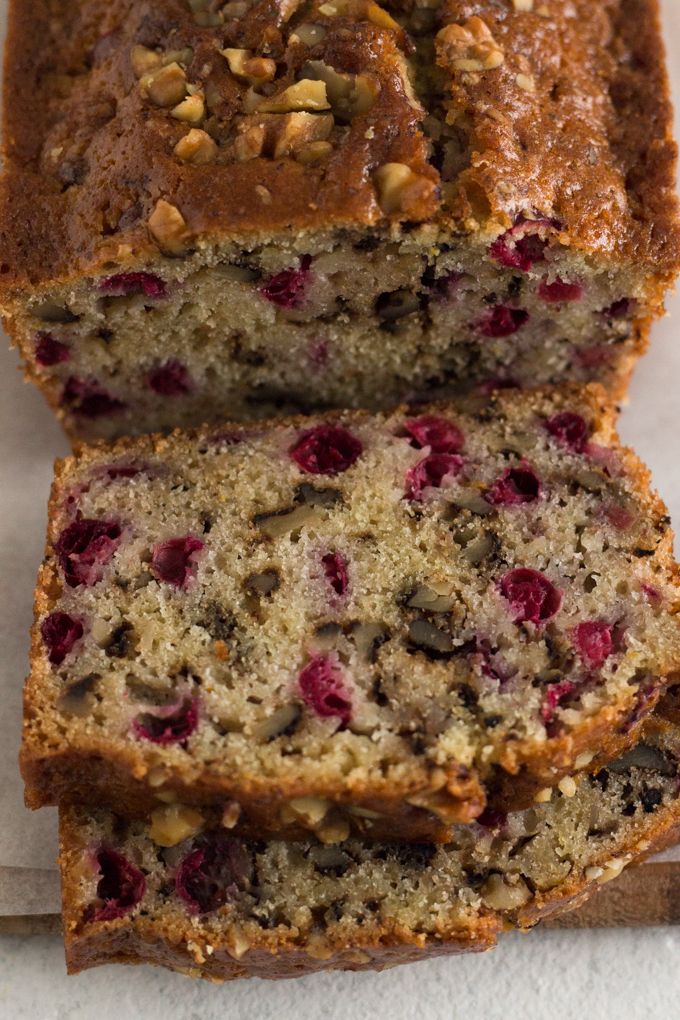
[{"x": 623, "y": 974}]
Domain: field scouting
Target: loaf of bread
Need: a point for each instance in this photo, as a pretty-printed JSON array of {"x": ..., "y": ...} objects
[
  {"x": 356, "y": 624},
  {"x": 219, "y": 210},
  {"x": 179, "y": 890}
]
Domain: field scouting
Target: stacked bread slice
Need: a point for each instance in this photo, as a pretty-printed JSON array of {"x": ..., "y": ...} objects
[
  {"x": 218, "y": 907},
  {"x": 402, "y": 648}
]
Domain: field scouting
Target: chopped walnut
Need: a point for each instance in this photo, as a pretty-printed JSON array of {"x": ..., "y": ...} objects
[
  {"x": 567, "y": 786},
  {"x": 318, "y": 948},
  {"x": 165, "y": 87},
  {"x": 304, "y": 95},
  {"x": 182, "y": 57},
  {"x": 231, "y": 813},
  {"x": 335, "y": 830},
  {"x": 170, "y": 825},
  {"x": 144, "y": 60},
  {"x": 309, "y": 35},
  {"x": 378, "y": 16},
  {"x": 363, "y": 10},
  {"x": 297, "y": 129},
  {"x": 168, "y": 228},
  {"x": 309, "y": 810},
  {"x": 277, "y": 135},
  {"x": 313, "y": 152},
  {"x": 191, "y": 109},
  {"x": 349, "y": 95},
  {"x": 251, "y": 100},
  {"x": 249, "y": 143},
  {"x": 505, "y": 894},
  {"x": 205, "y": 14},
  {"x": 246, "y": 67},
  {"x": 236, "y": 8},
  {"x": 469, "y": 47},
  {"x": 400, "y": 189},
  {"x": 239, "y": 944},
  {"x": 196, "y": 147},
  {"x": 612, "y": 869}
]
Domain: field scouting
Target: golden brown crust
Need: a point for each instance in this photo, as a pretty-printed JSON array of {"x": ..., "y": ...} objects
[
  {"x": 580, "y": 96},
  {"x": 120, "y": 772},
  {"x": 546, "y": 110}
]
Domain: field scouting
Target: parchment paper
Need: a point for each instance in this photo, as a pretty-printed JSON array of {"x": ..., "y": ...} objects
[{"x": 30, "y": 440}]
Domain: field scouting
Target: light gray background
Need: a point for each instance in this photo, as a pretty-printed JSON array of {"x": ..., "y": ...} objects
[{"x": 621, "y": 974}]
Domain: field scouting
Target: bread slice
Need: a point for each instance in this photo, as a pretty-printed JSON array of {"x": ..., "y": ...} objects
[
  {"x": 182, "y": 892},
  {"x": 350, "y": 624},
  {"x": 213, "y": 211}
]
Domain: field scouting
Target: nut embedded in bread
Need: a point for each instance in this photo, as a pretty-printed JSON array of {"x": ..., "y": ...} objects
[
  {"x": 350, "y": 624},
  {"x": 217, "y": 211}
]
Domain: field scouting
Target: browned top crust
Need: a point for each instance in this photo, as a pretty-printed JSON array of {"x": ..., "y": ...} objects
[{"x": 560, "y": 111}]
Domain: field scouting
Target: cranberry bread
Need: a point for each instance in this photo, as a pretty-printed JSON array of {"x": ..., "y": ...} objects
[
  {"x": 182, "y": 892},
  {"x": 217, "y": 210},
  {"x": 361, "y": 623}
]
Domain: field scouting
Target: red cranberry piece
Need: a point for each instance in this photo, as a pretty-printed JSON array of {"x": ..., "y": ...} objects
[
  {"x": 569, "y": 429},
  {"x": 88, "y": 399},
  {"x": 559, "y": 291},
  {"x": 114, "y": 472},
  {"x": 488, "y": 661},
  {"x": 85, "y": 547},
  {"x": 50, "y": 351},
  {"x": 619, "y": 309},
  {"x": 323, "y": 689},
  {"x": 652, "y": 594},
  {"x": 554, "y": 696},
  {"x": 440, "y": 435},
  {"x": 447, "y": 287},
  {"x": 594, "y": 357},
  {"x": 502, "y": 321},
  {"x": 532, "y": 597},
  {"x": 319, "y": 353},
  {"x": 287, "y": 288},
  {"x": 171, "y": 725},
  {"x": 594, "y": 642},
  {"x": 174, "y": 561},
  {"x": 171, "y": 379},
  {"x": 524, "y": 244},
  {"x": 121, "y": 886},
  {"x": 644, "y": 701},
  {"x": 430, "y": 472},
  {"x": 489, "y": 385},
  {"x": 618, "y": 516},
  {"x": 127, "y": 284},
  {"x": 492, "y": 819},
  {"x": 517, "y": 485},
  {"x": 335, "y": 569},
  {"x": 213, "y": 873},
  {"x": 326, "y": 450},
  {"x": 60, "y": 632}
]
